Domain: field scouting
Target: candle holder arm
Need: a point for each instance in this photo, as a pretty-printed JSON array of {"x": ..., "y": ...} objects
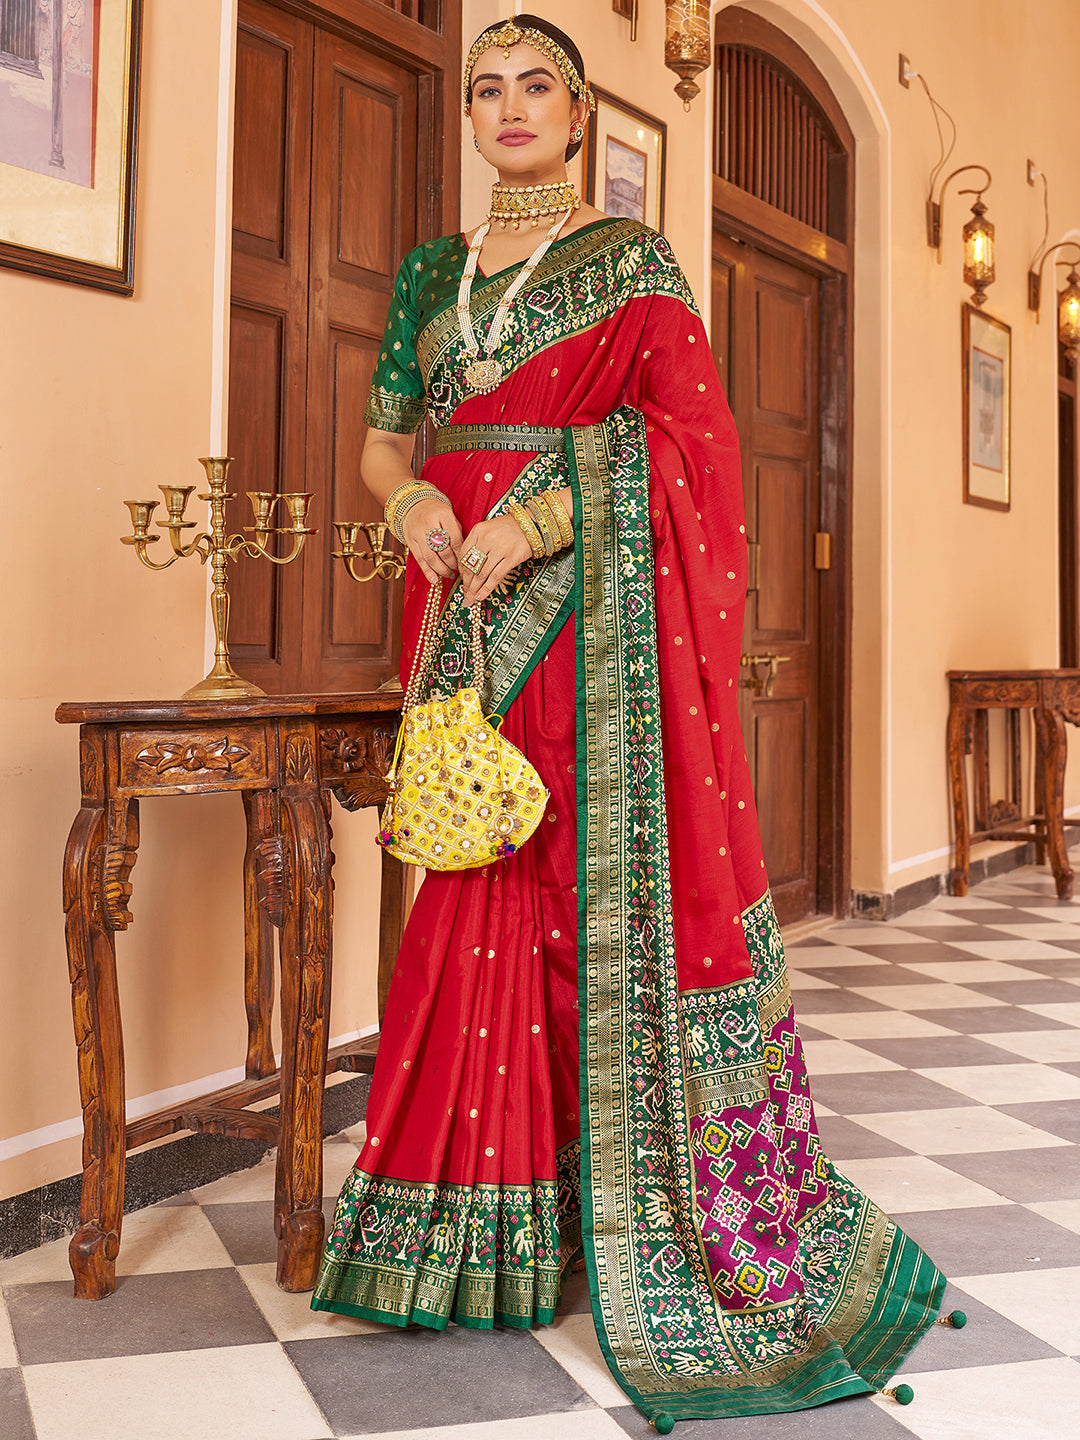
[{"x": 385, "y": 564}]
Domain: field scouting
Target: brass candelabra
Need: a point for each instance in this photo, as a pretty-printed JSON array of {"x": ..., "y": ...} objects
[
  {"x": 384, "y": 563},
  {"x": 222, "y": 683}
]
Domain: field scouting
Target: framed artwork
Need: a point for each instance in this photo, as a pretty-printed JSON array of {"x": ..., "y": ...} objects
[
  {"x": 69, "y": 102},
  {"x": 625, "y": 160},
  {"x": 987, "y": 391}
]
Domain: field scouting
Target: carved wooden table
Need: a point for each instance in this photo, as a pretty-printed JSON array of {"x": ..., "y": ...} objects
[
  {"x": 1054, "y": 698},
  {"x": 285, "y": 755}
]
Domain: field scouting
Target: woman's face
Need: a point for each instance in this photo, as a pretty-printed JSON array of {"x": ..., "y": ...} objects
[{"x": 522, "y": 111}]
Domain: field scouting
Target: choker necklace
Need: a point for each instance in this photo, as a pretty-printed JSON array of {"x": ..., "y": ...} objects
[
  {"x": 482, "y": 372},
  {"x": 515, "y": 203}
]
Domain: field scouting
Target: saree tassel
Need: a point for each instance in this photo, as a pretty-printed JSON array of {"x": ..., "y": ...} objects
[
  {"x": 663, "y": 1423},
  {"x": 902, "y": 1394},
  {"x": 957, "y": 1319}
]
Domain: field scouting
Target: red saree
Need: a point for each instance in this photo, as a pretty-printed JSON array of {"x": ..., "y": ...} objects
[{"x": 591, "y": 1044}]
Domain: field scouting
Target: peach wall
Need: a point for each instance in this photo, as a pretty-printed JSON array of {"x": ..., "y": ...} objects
[{"x": 103, "y": 398}]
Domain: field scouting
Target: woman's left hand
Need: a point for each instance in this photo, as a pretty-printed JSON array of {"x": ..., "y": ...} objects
[{"x": 503, "y": 543}]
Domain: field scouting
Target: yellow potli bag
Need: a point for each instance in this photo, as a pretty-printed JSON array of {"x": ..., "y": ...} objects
[{"x": 461, "y": 795}]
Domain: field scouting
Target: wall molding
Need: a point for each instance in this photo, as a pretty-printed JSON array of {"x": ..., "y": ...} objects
[{"x": 51, "y": 1211}]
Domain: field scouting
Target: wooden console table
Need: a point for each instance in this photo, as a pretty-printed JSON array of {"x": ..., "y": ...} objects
[
  {"x": 1054, "y": 698},
  {"x": 285, "y": 755}
]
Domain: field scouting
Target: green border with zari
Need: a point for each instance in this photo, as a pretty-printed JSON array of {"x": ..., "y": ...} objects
[{"x": 635, "y": 1135}]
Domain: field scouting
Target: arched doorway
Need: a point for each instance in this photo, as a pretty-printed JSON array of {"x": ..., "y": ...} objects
[{"x": 782, "y": 233}]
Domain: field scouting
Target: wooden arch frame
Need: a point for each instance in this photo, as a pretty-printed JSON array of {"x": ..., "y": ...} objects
[{"x": 831, "y": 258}]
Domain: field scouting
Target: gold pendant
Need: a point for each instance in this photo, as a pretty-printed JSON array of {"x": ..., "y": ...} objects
[{"x": 483, "y": 376}]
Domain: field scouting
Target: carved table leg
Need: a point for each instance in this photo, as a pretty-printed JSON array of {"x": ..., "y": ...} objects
[
  {"x": 101, "y": 850},
  {"x": 305, "y": 1019},
  {"x": 1040, "y": 796},
  {"x": 957, "y": 745},
  {"x": 262, "y": 911},
  {"x": 1053, "y": 750}
]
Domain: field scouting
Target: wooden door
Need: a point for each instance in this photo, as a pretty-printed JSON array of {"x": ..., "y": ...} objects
[
  {"x": 362, "y": 221},
  {"x": 345, "y": 154},
  {"x": 766, "y": 337},
  {"x": 268, "y": 319},
  {"x": 1068, "y": 514}
]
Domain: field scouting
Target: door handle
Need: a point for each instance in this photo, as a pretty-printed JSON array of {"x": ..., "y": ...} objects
[{"x": 762, "y": 686}]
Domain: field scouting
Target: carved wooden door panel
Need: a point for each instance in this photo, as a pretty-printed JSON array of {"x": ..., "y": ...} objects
[
  {"x": 766, "y": 339},
  {"x": 269, "y": 321},
  {"x": 362, "y": 221}
]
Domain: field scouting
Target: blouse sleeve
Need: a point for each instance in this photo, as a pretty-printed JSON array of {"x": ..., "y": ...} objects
[{"x": 397, "y": 401}]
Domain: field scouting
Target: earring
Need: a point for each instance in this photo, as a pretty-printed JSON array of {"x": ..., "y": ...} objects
[
  {"x": 577, "y": 133},
  {"x": 476, "y": 142}
]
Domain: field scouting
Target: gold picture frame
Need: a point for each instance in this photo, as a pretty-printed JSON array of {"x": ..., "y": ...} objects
[
  {"x": 987, "y": 347},
  {"x": 68, "y": 141},
  {"x": 625, "y": 161}
]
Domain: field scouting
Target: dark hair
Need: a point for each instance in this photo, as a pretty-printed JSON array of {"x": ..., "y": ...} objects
[{"x": 573, "y": 54}]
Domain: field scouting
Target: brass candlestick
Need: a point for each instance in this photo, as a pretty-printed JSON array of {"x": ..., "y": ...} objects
[
  {"x": 385, "y": 564},
  {"x": 222, "y": 683}
]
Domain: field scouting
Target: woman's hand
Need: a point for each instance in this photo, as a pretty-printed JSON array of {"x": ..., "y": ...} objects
[
  {"x": 503, "y": 542},
  {"x": 418, "y": 524}
]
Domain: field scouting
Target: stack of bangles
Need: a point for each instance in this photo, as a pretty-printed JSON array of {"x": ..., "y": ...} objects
[
  {"x": 404, "y": 498},
  {"x": 544, "y": 521}
]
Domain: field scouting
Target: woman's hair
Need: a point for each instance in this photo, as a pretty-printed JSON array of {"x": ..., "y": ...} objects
[{"x": 573, "y": 54}]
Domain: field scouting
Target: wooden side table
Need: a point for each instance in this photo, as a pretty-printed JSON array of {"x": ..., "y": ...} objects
[
  {"x": 285, "y": 755},
  {"x": 1054, "y": 698}
]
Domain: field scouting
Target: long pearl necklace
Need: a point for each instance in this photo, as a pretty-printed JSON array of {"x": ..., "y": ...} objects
[{"x": 483, "y": 373}]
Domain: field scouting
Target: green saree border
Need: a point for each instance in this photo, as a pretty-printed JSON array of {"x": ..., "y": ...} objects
[
  {"x": 711, "y": 1361},
  {"x": 520, "y": 627},
  {"x": 402, "y": 1252},
  {"x": 590, "y": 294}
]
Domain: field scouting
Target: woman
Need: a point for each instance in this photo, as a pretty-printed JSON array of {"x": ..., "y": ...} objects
[{"x": 732, "y": 1269}]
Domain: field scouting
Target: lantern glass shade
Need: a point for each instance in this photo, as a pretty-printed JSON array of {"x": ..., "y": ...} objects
[
  {"x": 978, "y": 252},
  {"x": 1069, "y": 315},
  {"x": 686, "y": 44}
]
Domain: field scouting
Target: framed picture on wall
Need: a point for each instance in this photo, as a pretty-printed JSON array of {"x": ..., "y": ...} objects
[
  {"x": 625, "y": 158},
  {"x": 987, "y": 390},
  {"x": 69, "y": 100}
]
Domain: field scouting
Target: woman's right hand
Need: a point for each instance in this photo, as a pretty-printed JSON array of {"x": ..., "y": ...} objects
[{"x": 421, "y": 520}]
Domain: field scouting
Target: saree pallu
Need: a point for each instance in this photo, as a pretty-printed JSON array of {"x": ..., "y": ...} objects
[{"x": 591, "y": 1045}]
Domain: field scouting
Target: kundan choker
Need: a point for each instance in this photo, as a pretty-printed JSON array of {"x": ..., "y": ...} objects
[
  {"x": 483, "y": 373},
  {"x": 515, "y": 203}
]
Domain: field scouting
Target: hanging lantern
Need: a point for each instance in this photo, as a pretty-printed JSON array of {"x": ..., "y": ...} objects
[
  {"x": 978, "y": 253},
  {"x": 1069, "y": 315},
  {"x": 686, "y": 44}
]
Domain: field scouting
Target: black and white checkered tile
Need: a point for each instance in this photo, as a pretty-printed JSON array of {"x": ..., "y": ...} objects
[{"x": 945, "y": 1056}]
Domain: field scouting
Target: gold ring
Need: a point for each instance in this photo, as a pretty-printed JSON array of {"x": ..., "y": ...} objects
[{"x": 474, "y": 560}]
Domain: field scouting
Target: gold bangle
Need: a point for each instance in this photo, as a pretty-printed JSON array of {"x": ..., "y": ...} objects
[
  {"x": 405, "y": 498},
  {"x": 549, "y": 531},
  {"x": 390, "y": 510},
  {"x": 562, "y": 518},
  {"x": 528, "y": 528}
]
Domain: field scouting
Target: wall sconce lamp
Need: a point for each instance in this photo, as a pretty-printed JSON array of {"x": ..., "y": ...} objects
[
  {"x": 1069, "y": 299},
  {"x": 1068, "y": 302},
  {"x": 686, "y": 44},
  {"x": 978, "y": 232},
  {"x": 979, "y": 269}
]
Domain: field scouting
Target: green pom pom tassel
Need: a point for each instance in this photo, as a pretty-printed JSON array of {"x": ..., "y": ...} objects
[
  {"x": 958, "y": 1319},
  {"x": 664, "y": 1423},
  {"x": 902, "y": 1394}
]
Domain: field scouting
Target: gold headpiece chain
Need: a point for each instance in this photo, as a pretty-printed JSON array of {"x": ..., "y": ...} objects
[{"x": 508, "y": 35}]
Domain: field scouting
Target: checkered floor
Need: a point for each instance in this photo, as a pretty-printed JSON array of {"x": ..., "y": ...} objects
[{"x": 945, "y": 1051}]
